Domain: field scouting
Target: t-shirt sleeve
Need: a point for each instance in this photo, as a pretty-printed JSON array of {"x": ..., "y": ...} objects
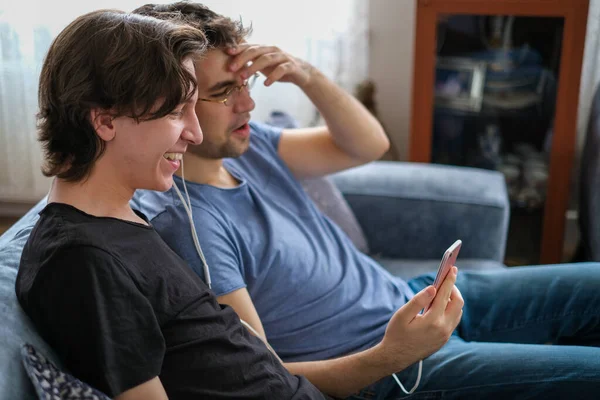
[
  {"x": 97, "y": 319},
  {"x": 218, "y": 243},
  {"x": 270, "y": 133}
]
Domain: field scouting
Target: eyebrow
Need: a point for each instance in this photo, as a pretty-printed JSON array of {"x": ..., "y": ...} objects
[{"x": 221, "y": 85}]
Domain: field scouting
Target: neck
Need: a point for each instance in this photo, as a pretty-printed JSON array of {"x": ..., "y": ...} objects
[
  {"x": 97, "y": 195},
  {"x": 206, "y": 171}
]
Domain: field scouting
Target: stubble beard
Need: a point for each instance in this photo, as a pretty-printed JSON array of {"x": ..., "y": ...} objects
[{"x": 229, "y": 149}]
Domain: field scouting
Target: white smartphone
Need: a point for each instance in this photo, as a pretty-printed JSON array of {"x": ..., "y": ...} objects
[{"x": 448, "y": 261}]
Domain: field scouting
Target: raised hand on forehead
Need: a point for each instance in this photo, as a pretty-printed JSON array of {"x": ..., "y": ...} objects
[{"x": 275, "y": 64}]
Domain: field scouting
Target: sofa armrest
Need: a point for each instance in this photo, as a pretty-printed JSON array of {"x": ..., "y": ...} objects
[{"x": 412, "y": 210}]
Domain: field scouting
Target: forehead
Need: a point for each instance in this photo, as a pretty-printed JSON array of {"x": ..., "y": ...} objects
[{"x": 212, "y": 68}]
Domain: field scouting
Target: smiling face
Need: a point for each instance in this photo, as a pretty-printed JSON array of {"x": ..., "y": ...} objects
[
  {"x": 146, "y": 154},
  {"x": 225, "y": 128}
]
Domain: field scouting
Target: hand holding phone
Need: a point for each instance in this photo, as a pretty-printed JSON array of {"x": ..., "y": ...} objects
[{"x": 446, "y": 264}]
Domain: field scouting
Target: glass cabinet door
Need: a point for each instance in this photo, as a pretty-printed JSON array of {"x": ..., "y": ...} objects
[{"x": 496, "y": 80}]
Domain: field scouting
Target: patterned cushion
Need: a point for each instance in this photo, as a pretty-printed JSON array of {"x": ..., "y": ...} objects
[{"x": 50, "y": 383}]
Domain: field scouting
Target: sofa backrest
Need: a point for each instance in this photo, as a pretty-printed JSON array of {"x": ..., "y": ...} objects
[{"x": 15, "y": 327}]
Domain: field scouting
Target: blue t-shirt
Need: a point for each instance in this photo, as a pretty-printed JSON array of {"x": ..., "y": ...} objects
[{"x": 317, "y": 296}]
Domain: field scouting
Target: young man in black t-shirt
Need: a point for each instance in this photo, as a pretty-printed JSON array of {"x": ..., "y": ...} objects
[{"x": 125, "y": 314}]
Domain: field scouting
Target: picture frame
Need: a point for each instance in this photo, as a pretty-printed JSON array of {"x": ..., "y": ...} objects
[{"x": 459, "y": 83}]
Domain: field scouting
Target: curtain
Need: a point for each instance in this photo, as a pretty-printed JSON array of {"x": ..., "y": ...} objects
[
  {"x": 332, "y": 35},
  {"x": 21, "y": 50}
]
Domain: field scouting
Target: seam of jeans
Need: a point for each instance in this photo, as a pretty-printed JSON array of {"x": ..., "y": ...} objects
[
  {"x": 521, "y": 324},
  {"x": 441, "y": 393},
  {"x": 430, "y": 395}
]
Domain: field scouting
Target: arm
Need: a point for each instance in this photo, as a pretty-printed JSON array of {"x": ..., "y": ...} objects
[
  {"x": 338, "y": 377},
  {"x": 151, "y": 390},
  {"x": 352, "y": 136},
  {"x": 409, "y": 337},
  {"x": 241, "y": 302}
]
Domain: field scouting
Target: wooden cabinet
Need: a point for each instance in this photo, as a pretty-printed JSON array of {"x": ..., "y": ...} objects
[{"x": 558, "y": 23}]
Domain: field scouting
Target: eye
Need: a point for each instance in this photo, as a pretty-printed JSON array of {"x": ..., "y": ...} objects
[
  {"x": 223, "y": 93},
  {"x": 176, "y": 113}
]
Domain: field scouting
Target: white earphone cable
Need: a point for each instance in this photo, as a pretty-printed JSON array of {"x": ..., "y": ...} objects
[
  {"x": 188, "y": 210},
  {"x": 411, "y": 391}
]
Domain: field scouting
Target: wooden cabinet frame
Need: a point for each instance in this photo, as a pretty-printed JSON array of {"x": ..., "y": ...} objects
[{"x": 562, "y": 154}]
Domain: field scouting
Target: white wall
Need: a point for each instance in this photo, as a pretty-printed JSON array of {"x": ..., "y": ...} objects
[{"x": 392, "y": 36}]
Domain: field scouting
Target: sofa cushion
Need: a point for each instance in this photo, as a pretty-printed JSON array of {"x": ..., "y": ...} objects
[
  {"x": 52, "y": 383},
  {"x": 16, "y": 328},
  {"x": 407, "y": 269},
  {"x": 331, "y": 202}
]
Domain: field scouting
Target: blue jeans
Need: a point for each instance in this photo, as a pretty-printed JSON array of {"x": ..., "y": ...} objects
[{"x": 500, "y": 349}]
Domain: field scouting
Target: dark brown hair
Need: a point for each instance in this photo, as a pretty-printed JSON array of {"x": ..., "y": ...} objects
[
  {"x": 118, "y": 62},
  {"x": 220, "y": 31}
]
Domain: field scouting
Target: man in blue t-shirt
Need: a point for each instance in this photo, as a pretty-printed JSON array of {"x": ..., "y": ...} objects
[{"x": 330, "y": 312}]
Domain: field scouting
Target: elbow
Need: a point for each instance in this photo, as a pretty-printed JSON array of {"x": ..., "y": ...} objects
[
  {"x": 377, "y": 148},
  {"x": 385, "y": 143},
  {"x": 381, "y": 146}
]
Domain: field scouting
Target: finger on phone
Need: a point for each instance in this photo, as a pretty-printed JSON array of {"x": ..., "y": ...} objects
[
  {"x": 443, "y": 295},
  {"x": 456, "y": 301},
  {"x": 417, "y": 303}
]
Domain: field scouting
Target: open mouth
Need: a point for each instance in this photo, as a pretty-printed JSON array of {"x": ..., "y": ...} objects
[
  {"x": 174, "y": 159},
  {"x": 242, "y": 130}
]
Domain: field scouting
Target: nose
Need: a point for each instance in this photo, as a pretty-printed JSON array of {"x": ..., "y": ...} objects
[
  {"x": 244, "y": 102},
  {"x": 192, "y": 133}
]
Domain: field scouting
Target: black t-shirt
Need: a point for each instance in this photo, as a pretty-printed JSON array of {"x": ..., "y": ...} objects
[{"x": 120, "y": 307}]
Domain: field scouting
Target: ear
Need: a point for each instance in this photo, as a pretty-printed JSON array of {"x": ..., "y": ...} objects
[{"x": 102, "y": 122}]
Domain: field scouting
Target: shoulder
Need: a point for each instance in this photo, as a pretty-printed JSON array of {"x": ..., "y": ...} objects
[
  {"x": 264, "y": 134},
  {"x": 59, "y": 231},
  {"x": 72, "y": 266},
  {"x": 78, "y": 260},
  {"x": 152, "y": 203}
]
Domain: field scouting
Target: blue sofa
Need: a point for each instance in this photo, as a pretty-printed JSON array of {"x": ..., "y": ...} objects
[{"x": 410, "y": 213}]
